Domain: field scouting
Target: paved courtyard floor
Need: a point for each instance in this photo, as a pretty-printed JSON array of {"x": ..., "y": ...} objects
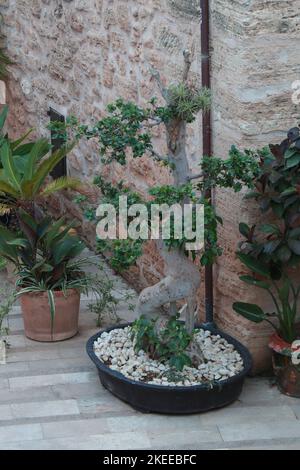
[{"x": 51, "y": 398}]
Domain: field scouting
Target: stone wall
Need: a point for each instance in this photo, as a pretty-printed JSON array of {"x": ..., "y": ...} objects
[
  {"x": 78, "y": 55},
  {"x": 256, "y": 59}
]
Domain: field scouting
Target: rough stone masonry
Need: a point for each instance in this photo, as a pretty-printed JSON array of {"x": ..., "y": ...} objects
[{"x": 79, "y": 55}]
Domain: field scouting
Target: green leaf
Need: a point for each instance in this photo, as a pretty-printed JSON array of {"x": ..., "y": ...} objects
[
  {"x": 244, "y": 230},
  {"x": 284, "y": 292},
  {"x": 51, "y": 301},
  {"x": 6, "y": 188},
  {"x": 271, "y": 246},
  {"x": 9, "y": 167},
  {"x": 288, "y": 192},
  {"x": 3, "y": 116},
  {"x": 19, "y": 242},
  {"x": 294, "y": 246},
  {"x": 14, "y": 145},
  {"x": 22, "y": 150},
  {"x": 254, "y": 265},
  {"x": 64, "y": 182},
  {"x": 38, "y": 151},
  {"x": 47, "y": 165},
  {"x": 284, "y": 254},
  {"x": 67, "y": 248},
  {"x": 290, "y": 153},
  {"x": 270, "y": 229},
  {"x": 255, "y": 282},
  {"x": 250, "y": 311},
  {"x": 293, "y": 161}
]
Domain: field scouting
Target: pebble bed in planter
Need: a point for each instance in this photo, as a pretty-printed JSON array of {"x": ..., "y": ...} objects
[
  {"x": 148, "y": 386},
  {"x": 116, "y": 349}
]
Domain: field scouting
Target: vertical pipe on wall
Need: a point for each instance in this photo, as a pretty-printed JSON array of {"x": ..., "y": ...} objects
[{"x": 207, "y": 141}]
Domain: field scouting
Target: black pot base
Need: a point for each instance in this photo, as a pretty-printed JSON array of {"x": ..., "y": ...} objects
[{"x": 149, "y": 398}]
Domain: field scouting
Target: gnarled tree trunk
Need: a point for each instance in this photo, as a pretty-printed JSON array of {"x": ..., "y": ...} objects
[{"x": 182, "y": 277}]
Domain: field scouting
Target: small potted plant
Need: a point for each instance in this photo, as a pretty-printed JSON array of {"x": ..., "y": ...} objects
[
  {"x": 272, "y": 253},
  {"x": 49, "y": 279}
]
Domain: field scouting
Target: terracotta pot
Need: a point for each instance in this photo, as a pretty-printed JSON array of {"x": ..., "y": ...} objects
[
  {"x": 286, "y": 371},
  {"x": 37, "y": 317}
]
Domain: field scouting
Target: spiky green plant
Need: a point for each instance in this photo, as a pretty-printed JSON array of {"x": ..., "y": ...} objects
[
  {"x": 185, "y": 102},
  {"x": 24, "y": 171}
]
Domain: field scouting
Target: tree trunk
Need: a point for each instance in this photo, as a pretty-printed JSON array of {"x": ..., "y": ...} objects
[{"x": 182, "y": 277}]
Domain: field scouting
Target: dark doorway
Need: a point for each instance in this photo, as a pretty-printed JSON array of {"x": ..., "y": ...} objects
[{"x": 57, "y": 143}]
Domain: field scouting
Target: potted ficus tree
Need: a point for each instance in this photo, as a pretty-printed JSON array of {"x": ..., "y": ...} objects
[
  {"x": 161, "y": 363},
  {"x": 271, "y": 251},
  {"x": 42, "y": 252}
]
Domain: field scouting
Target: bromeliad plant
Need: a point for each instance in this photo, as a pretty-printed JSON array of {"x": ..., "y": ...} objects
[{"x": 272, "y": 251}]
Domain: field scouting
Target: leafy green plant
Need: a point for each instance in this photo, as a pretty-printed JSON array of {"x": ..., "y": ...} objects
[
  {"x": 270, "y": 250},
  {"x": 169, "y": 344},
  {"x": 46, "y": 260},
  {"x": 24, "y": 171},
  {"x": 107, "y": 297}
]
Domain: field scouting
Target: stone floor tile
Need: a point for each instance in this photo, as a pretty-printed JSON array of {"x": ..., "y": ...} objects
[
  {"x": 274, "y": 429},
  {"x": 21, "y": 432},
  {"x": 48, "y": 380},
  {"x": 80, "y": 427},
  {"x": 45, "y": 408}
]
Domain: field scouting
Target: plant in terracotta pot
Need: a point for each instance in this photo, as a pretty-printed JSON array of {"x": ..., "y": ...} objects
[
  {"x": 271, "y": 251},
  {"x": 24, "y": 182},
  {"x": 49, "y": 276}
]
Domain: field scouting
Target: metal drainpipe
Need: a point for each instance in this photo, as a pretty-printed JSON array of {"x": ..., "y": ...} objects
[{"x": 207, "y": 143}]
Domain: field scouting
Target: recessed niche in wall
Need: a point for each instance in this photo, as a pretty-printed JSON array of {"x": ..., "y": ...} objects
[{"x": 57, "y": 143}]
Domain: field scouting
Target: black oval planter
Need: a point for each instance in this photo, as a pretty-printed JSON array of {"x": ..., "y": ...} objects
[{"x": 169, "y": 399}]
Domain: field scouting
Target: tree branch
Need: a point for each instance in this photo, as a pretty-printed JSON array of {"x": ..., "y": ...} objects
[
  {"x": 156, "y": 75},
  {"x": 195, "y": 177},
  {"x": 159, "y": 158},
  {"x": 155, "y": 122},
  {"x": 187, "y": 64}
]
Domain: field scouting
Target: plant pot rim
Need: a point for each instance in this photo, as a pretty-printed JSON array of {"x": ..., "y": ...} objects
[{"x": 57, "y": 293}]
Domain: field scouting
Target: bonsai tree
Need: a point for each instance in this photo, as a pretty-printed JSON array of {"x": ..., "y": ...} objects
[
  {"x": 128, "y": 127},
  {"x": 271, "y": 251}
]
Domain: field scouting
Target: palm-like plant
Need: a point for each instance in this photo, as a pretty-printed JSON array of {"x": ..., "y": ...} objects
[{"x": 24, "y": 172}]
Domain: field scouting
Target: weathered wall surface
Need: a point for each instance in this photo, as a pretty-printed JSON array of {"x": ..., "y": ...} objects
[
  {"x": 78, "y": 55},
  {"x": 256, "y": 58}
]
